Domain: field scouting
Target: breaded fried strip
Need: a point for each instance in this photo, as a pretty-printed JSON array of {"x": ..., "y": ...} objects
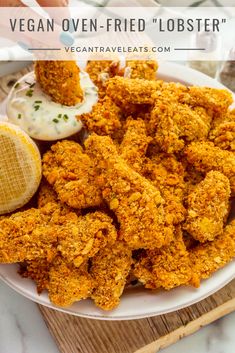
[
  {"x": 109, "y": 270},
  {"x": 131, "y": 91},
  {"x": 101, "y": 70},
  {"x": 208, "y": 206},
  {"x": 70, "y": 171},
  {"x": 29, "y": 235},
  {"x": 219, "y": 119},
  {"x": 68, "y": 284},
  {"x": 223, "y": 136},
  {"x": 177, "y": 124},
  {"x": 137, "y": 204},
  {"x": 167, "y": 174},
  {"x": 167, "y": 267},
  {"x": 209, "y": 257},
  {"x": 144, "y": 69},
  {"x": 46, "y": 194},
  {"x": 38, "y": 271},
  {"x": 82, "y": 240},
  {"x": 223, "y": 132},
  {"x": 40, "y": 233},
  {"x": 60, "y": 80},
  {"x": 104, "y": 118},
  {"x": 204, "y": 156},
  {"x": 212, "y": 99},
  {"x": 134, "y": 144}
]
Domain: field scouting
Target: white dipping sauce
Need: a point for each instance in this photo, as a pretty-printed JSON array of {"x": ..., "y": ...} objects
[{"x": 41, "y": 118}]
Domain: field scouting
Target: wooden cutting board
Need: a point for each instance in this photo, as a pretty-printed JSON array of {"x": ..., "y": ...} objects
[{"x": 78, "y": 335}]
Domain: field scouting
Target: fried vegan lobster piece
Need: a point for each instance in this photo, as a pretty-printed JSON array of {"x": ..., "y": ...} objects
[
  {"x": 70, "y": 171},
  {"x": 215, "y": 101},
  {"x": 46, "y": 194},
  {"x": 135, "y": 143},
  {"x": 144, "y": 69},
  {"x": 208, "y": 206},
  {"x": 100, "y": 71},
  {"x": 42, "y": 233},
  {"x": 60, "y": 80},
  {"x": 167, "y": 267},
  {"x": 131, "y": 91},
  {"x": 204, "y": 156},
  {"x": 223, "y": 133},
  {"x": 137, "y": 204},
  {"x": 167, "y": 174},
  {"x": 104, "y": 118},
  {"x": 38, "y": 271},
  {"x": 31, "y": 234},
  {"x": 83, "y": 239},
  {"x": 68, "y": 284},
  {"x": 109, "y": 270},
  {"x": 177, "y": 124},
  {"x": 209, "y": 257}
]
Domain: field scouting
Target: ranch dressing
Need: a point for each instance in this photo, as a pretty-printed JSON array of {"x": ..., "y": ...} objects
[{"x": 41, "y": 118}]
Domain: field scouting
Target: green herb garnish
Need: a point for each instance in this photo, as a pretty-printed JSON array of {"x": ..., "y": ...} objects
[
  {"x": 19, "y": 116},
  {"x": 29, "y": 93},
  {"x": 59, "y": 116},
  {"x": 36, "y": 105},
  {"x": 31, "y": 85},
  {"x": 65, "y": 117},
  {"x": 17, "y": 85},
  {"x": 55, "y": 121}
]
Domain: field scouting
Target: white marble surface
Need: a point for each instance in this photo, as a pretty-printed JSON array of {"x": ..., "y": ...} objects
[{"x": 22, "y": 330}]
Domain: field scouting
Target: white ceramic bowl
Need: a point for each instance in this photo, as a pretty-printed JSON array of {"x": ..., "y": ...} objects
[{"x": 137, "y": 302}]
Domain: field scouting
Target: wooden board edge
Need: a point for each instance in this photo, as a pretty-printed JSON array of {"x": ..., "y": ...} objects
[{"x": 190, "y": 328}]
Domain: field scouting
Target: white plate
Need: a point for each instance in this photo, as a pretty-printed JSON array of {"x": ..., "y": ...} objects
[{"x": 137, "y": 302}]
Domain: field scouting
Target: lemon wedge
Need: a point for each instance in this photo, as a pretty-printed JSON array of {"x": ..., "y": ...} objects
[{"x": 20, "y": 168}]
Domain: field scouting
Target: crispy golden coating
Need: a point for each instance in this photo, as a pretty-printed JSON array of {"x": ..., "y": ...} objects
[
  {"x": 137, "y": 204},
  {"x": 60, "y": 80},
  {"x": 222, "y": 133},
  {"x": 167, "y": 267},
  {"x": 101, "y": 70},
  {"x": 223, "y": 136},
  {"x": 215, "y": 101},
  {"x": 144, "y": 69},
  {"x": 46, "y": 194},
  {"x": 30, "y": 235},
  {"x": 208, "y": 206},
  {"x": 167, "y": 174},
  {"x": 38, "y": 271},
  {"x": 204, "y": 156},
  {"x": 68, "y": 284},
  {"x": 134, "y": 144},
  {"x": 42, "y": 233},
  {"x": 209, "y": 257},
  {"x": 131, "y": 91},
  {"x": 83, "y": 239},
  {"x": 70, "y": 171},
  {"x": 109, "y": 270},
  {"x": 177, "y": 124},
  {"x": 104, "y": 118},
  {"x": 192, "y": 178}
]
